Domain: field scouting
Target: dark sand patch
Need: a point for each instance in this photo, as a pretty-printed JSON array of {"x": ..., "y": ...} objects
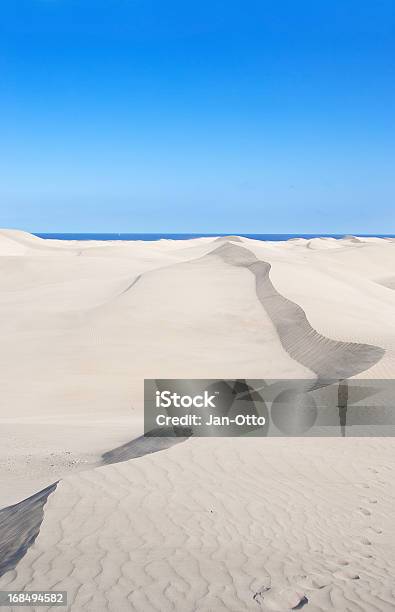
[
  {"x": 388, "y": 282},
  {"x": 19, "y": 527},
  {"x": 329, "y": 359},
  {"x": 152, "y": 442}
]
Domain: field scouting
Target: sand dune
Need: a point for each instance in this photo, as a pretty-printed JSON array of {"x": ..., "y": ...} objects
[
  {"x": 388, "y": 282},
  {"x": 19, "y": 526},
  {"x": 206, "y": 524},
  {"x": 219, "y": 525},
  {"x": 325, "y": 357}
]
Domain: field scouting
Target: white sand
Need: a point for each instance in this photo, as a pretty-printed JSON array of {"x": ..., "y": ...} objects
[{"x": 209, "y": 524}]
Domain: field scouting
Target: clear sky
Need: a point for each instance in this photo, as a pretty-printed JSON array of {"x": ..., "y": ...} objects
[{"x": 197, "y": 116}]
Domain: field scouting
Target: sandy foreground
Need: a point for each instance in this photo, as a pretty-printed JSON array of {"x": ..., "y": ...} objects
[{"x": 204, "y": 524}]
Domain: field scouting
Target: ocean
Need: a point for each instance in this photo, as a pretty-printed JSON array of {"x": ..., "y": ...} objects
[{"x": 274, "y": 237}]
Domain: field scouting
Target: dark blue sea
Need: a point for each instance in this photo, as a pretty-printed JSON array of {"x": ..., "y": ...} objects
[{"x": 275, "y": 237}]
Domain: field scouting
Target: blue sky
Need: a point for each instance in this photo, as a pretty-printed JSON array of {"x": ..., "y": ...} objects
[{"x": 249, "y": 116}]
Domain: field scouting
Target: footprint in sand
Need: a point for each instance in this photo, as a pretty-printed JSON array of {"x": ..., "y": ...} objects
[
  {"x": 372, "y": 501},
  {"x": 343, "y": 562},
  {"x": 281, "y": 600},
  {"x": 365, "y": 511},
  {"x": 375, "y": 529},
  {"x": 265, "y": 584},
  {"x": 346, "y": 574},
  {"x": 365, "y": 541},
  {"x": 314, "y": 581},
  {"x": 333, "y": 564}
]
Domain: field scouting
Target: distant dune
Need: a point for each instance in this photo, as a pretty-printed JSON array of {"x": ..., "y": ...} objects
[{"x": 200, "y": 524}]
